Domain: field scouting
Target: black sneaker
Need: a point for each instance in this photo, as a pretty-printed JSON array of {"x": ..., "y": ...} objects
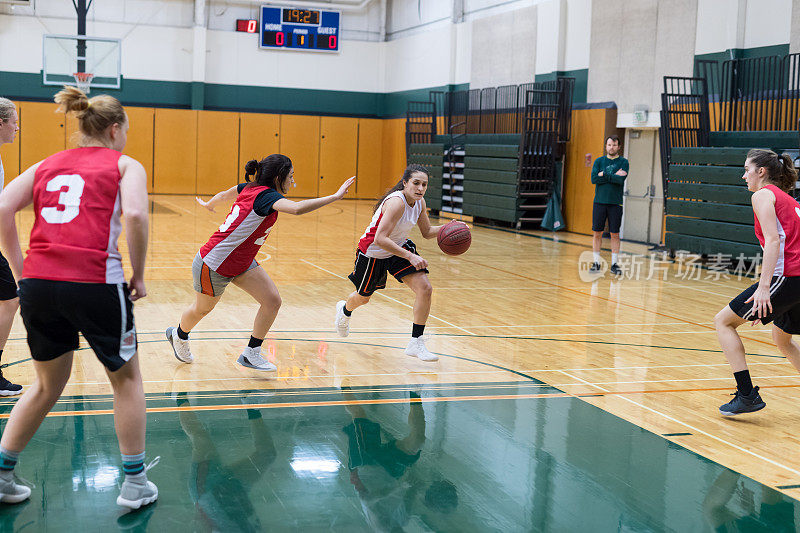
[
  {"x": 743, "y": 404},
  {"x": 7, "y": 388},
  {"x": 595, "y": 267},
  {"x": 615, "y": 269}
]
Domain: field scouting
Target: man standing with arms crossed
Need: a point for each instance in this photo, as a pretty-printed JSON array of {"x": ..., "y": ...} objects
[
  {"x": 608, "y": 176},
  {"x": 9, "y": 303}
]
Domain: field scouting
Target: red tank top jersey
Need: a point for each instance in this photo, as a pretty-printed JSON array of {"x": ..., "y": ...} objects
[
  {"x": 787, "y": 212},
  {"x": 232, "y": 248},
  {"x": 77, "y": 210}
]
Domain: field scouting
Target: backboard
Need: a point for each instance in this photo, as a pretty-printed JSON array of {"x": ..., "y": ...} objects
[{"x": 64, "y": 55}]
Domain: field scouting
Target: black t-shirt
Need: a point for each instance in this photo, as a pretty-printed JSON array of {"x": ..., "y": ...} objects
[{"x": 263, "y": 202}]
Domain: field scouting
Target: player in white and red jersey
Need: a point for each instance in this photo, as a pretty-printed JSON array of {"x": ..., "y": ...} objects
[
  {"x": 385, "y": 247},
  {"x": 229, "y": 255},
  {"x": 9, "y": 302},
  {"x": 776, "y": 296},
  {"x": 72, "y": 282}
]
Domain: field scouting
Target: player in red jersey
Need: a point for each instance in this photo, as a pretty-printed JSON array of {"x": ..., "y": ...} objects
[
  {"x": 776, "y": 296},
  {"x": 72, "y": 282},
  {"x": 385, "y": 247},
  {"x": 9, "y": 303},
  {"x": 229, "y": 255}
]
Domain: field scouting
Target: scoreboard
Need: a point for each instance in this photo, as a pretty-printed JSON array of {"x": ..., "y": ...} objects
[{"x": 299, "y": 29}]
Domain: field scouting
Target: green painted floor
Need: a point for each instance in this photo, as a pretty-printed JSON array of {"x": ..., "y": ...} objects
[{"x": 485, "y": 457}]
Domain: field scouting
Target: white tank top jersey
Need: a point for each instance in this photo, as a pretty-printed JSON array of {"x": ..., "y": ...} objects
[{"x": 399, "y": 234}]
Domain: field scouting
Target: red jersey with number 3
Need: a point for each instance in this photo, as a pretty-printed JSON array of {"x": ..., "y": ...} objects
[
  {"x": 232, "y": 248},
  {"x": 787, "y": 213},
  {"x": 77, "y": 209}
]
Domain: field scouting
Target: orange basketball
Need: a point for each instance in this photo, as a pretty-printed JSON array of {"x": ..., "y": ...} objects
[{"x": 454, "y": 238}]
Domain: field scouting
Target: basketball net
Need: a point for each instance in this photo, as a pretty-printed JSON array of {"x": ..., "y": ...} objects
[{"x": 83, "y": 80}]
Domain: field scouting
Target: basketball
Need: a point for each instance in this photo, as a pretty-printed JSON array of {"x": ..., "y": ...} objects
[{"x": 454, "y": 238}]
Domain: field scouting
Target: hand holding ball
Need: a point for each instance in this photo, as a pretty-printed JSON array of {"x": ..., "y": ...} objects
[{"x": 454, "y": 238}]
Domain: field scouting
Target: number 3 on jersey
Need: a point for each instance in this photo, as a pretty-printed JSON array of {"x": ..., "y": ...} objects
[
  {"x": 234, "y": 214},
  {"x": 69, "y": 199}
]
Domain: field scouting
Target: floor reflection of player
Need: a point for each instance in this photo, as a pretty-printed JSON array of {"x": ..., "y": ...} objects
[
  {"x": 774, "y": 513},
  {"x": 219, "y": 490},
  {"x": 393, "y": 493}
]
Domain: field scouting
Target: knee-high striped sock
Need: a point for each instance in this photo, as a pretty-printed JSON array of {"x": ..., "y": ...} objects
[
  {"x": 8, "y": 460},
  {"x": 133, "y": 464}
]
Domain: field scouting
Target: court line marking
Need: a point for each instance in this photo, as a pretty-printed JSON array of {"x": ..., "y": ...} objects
[
  {"x": 390, "y": 298},
  {"x": 685, "y": 424},
  {"x": 618, "y": 302}
]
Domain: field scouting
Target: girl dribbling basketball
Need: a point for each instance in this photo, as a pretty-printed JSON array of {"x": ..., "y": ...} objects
[
  {"x": 385, "y": 247},
  {"x": 229, "y": 255}
]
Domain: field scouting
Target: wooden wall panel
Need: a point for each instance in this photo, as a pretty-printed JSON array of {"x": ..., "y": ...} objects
[
  {"x": 9, "y": 153},
  {"x": 300, "y": 142},
  {"x": 589, "y": 130},
  {"x": 140, "y": 139},
  {"x": 42, "y": 134},
  {"x": 370, "y": 157},
  {"x": 338, "y": 153},
  {"x": 394, "y": 152},
  {"x": 175, "y": 151},
  {"x": 217, "y": 151},
  {"x": 259, "y": 136}
]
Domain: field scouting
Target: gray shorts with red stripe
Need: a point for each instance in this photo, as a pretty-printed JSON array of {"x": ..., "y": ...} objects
[
  {"x": 208, "y": 281},
  {"x": 369, "y": 273}
]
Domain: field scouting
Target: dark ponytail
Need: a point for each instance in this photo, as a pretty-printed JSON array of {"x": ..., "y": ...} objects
[
  {"x": 272, "y": 172},
  {"x": 410, "y": 169},
  {"x": 780, "y": 168}
]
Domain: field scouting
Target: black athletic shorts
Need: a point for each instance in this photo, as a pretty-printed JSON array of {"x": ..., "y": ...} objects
[
  {"x": 369, "y": 273},
  {"x": 785, "y": 299},
  {"x": 8, "y": 287},
  {"x": 366, "y": 448},
  {"x": 603, "y": 212},
  {"x": 54, "y": 312}
]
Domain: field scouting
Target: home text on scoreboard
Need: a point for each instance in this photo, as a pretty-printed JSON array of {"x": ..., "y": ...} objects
[{"x": 299, "y": 29}]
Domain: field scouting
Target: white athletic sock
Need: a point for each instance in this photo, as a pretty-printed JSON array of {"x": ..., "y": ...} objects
[
  {"x": 614, "y": 259},
  {"x": 596, "y": 257}
]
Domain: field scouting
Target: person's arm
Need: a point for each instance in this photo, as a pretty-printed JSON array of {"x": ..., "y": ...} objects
[
  {"x": 764, "y": 207},
  {"x": 424, "y": 224},
  {"x": 304, "y": 206},
  {"x": 133, "y": 195},
  {"x": 15, "y": 196},
  {"x": 597, "y": 175},
  {"x": 227, "y": 196},
  {"x": 393, "y": 209},
  {"x": 619, "y": 176}
]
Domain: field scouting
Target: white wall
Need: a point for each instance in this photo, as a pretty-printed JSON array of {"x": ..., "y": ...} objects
[
  {"x": 726, "y": 24},
  {"x": 505, "y": 55}
]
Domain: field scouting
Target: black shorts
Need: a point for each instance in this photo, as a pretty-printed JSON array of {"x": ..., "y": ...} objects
[
  {"x": 366, "y": 448},
  {"x": 369, "y": 273},
  {"x": 54, "y": 312},
  {"x": 8, "y": 287},
  {"x": 603, "y": 212},
  {"x": 785, "y": 300}
]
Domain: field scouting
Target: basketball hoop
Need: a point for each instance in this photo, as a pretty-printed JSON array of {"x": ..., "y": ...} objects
[{"x": 83, "y": 80}]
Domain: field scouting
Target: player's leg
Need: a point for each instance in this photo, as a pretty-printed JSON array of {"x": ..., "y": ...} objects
[
  {"x": 130, "y": 423},
  {"x": 614, "y": 224},
  {"x": 746, "y": 399},
  {"x": 787, "y": 346},
  {"x": 423, "y": 291},
  {"x": 369, "y": 275},
  {"x": 9, "y": 303},
  {"x": 208, "y": 286},
  {"x": 26, "y": 417},
  {"x": 257, "y": 283},
  {"x": 598, "y": 225}
]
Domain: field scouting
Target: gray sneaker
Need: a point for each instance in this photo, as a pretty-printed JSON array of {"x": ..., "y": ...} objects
[
  {"x": 179, "y": 346},
  {"x": 137, "y": 490},
  {"x": 342, "y": 322},
  {"x": 12, "y": 490},
  {"x": 252, "y": 358}
]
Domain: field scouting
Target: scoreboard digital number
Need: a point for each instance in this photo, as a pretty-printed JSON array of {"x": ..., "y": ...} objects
[{"x": 299, "y": 29}]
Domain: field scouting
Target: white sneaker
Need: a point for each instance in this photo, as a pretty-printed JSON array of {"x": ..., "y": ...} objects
[
  {"x": 342, "y": 321},
  {"x": 137, "y": 490},
  {"x": 251, "y": 358},
  {"x": 12, "y": 490},
  {"x": 179, "y": 346},
  {"x": 416, "y": 348}
]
